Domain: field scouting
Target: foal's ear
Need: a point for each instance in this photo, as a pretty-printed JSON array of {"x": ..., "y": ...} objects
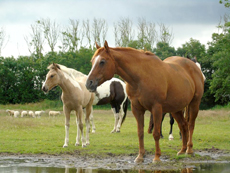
[
  {"x": 97, "y": 46},
  {"x": 106, "y": 46},
  {"x": 56, "y": 66}
]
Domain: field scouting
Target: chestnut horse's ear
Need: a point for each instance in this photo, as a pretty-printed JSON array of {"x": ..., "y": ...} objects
[
  {"x": 97, "y": 46},
  {"x": 106, "y": 46},
  {"x": 195, "y": 58}
]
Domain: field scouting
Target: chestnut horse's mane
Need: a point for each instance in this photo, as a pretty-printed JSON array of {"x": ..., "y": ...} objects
[{"x": 124, "y": 49}]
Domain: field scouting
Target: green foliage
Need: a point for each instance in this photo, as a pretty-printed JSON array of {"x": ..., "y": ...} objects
[
  {"x": 163, "y": 50},
  {"x": 220, "y": 84}
]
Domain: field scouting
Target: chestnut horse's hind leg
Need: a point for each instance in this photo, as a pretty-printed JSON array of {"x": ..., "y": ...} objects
[
  {"x": 183, "y": 126},
  {"x": 193, "y": 112}
]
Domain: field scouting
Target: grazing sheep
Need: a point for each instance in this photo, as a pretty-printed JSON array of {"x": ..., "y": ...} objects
[
  {"x": 10, "y": 112},
  {"x": 54, "y": 113},
  {"x": 39, "y": 113},
  {"x": 24, "y": 113},
  {"x": 16, "y": 114},
  {"x": 31, "y": 113}
]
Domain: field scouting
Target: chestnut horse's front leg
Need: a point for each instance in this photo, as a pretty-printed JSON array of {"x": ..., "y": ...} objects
[
  {"x": 139, "y": 115},
  {"x": 157, "y": 119}
]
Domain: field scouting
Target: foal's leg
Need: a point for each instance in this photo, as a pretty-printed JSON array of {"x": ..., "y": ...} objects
[
  {"x": 183, "y": 126},
  {"x": 171, "y": 126},
  {"x": 91, "y": 120},
  {"x": 79, "y": 117},
  {"x": 87, "y": 122},
  {"x": 67, "y": 118}
]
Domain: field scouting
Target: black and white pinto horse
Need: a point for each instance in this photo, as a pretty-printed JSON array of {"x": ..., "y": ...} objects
[
  {"x": 110, "y": 92},
  {"x": 171, "y": 121}
]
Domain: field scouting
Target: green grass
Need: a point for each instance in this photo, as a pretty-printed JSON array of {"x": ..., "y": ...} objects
[{"x": 46, "y": 135}]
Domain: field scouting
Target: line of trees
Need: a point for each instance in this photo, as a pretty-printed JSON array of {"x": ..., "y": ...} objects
[{"x": 21, "y": 79}]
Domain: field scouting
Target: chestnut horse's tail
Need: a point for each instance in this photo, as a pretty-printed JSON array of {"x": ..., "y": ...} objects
[
  {"x": 186, "y": 113},
  {"x": 125, "y": 107}
]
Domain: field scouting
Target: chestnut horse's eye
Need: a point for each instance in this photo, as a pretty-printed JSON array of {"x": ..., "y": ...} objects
[{"x": 102, "y": 62}]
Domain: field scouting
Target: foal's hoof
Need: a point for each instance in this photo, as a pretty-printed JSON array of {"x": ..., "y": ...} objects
[
  {"x": 77, "y": 144},
  {"x": 118, "y": 131}
]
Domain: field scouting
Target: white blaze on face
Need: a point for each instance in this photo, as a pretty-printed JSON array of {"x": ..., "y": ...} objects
[
  {"x": 96, "y": 59},
  {"x": 74, "y": 82}
]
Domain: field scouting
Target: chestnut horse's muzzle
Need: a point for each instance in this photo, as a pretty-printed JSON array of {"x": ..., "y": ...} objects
[{"x": 91, "y": 85}]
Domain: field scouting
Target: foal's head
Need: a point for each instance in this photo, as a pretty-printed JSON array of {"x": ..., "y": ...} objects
[
  {"x": 103, "y": 67},
  {"x": 52, "y": 78}
]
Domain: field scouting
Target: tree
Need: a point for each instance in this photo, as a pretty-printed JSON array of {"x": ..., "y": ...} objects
[
  {"x": 146, "y": 34},
  {"x": 36, "y": 41},
  {"x": 163, "y": 50},
  {"x": 165, "y": 35},
  {"x": 123, "y": 32},
  {"x": 50, "y": 30},
  {"x": 3, "y": 41},
  {"x": 99, "y": 30},
  {"x": 220, "y": 50}
]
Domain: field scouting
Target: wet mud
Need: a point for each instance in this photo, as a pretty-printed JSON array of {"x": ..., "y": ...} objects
[{"x": 115, "y": 162}]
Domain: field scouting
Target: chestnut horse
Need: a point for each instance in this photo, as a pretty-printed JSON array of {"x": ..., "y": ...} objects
[
  {"x": 75, "y": 97},
  {"x": 154, "y": 85}
]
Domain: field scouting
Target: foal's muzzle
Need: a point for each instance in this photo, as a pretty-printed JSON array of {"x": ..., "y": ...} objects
[{"x": 91, "y": 85}]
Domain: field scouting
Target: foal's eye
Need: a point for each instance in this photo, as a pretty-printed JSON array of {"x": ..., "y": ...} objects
[
  {"x": 51, "y": 76},
  {"x": 102, "y": 62}
]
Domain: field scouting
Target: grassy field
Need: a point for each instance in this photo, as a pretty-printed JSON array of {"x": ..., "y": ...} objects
[{"x": 46, "y": 135}]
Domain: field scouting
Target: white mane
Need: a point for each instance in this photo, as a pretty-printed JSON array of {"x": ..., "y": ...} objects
[{"x": 72, "y": 72}]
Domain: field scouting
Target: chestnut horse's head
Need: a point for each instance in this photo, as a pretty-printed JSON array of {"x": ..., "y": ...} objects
[{"x": 103, "y": 67}]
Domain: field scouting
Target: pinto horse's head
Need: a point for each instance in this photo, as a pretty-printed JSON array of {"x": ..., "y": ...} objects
[{"x": 103, "y": 67}]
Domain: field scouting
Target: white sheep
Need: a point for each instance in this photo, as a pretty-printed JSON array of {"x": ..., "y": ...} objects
[
  {"x": 10, "y": 112},
  {"x": 31, "y": 113},
  {"x": 54, "y": 113},
  {"x": 16, "y": 114},
  {"x": 39, "y": 113},
  {"x": 24, "y": 113}
]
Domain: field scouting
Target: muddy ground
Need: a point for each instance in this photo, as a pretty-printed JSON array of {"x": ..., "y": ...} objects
[{"x": 111, "y": 162}]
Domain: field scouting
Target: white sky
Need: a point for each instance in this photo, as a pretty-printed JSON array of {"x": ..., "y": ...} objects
[{"x": 195, "y": 19}]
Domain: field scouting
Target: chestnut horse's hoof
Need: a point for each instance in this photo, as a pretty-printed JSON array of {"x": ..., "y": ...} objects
[
  {"x": 139, "y": 160},
  {"x": 181, "y": 152},
  {"x": 156, "y": 159}
]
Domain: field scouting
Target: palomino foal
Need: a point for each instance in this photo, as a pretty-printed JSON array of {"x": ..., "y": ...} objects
[
  {"x": 75, "y": 97},
  {"x": 154, "y": 85}
]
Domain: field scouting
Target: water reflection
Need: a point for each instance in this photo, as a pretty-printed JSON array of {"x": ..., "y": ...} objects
[{"x": 9, "y": 165}]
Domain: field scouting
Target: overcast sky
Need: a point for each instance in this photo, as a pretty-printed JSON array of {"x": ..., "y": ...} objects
[{"x": 187, "y": 19}]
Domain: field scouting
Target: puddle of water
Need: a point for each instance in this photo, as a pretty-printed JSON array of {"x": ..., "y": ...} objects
[{"x": 28, "y": 165}]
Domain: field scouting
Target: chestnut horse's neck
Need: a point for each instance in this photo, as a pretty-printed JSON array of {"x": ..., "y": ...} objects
[{"x": 129, "y": 62}]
